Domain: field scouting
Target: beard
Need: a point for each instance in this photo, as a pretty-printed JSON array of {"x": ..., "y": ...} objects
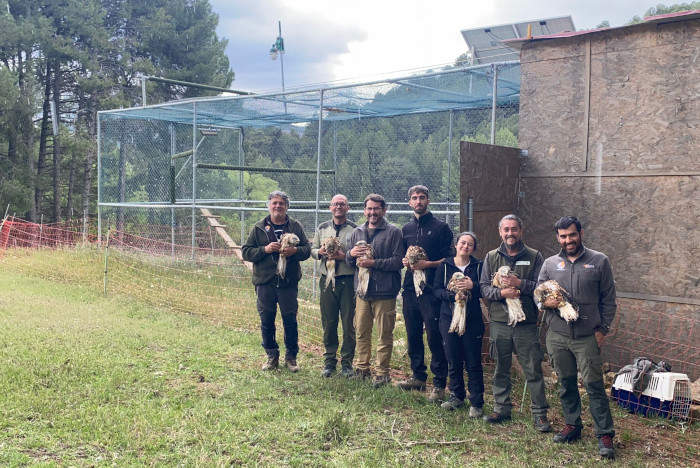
[{"x": 573, "y": 249}]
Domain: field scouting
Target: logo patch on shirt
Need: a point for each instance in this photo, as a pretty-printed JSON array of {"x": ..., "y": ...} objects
[
  {"x": 522, "y": 262},
  {"x": 267, "y": 228},
  {"x": 561, "y": 266},
  {"x": 588, "y": 265}
]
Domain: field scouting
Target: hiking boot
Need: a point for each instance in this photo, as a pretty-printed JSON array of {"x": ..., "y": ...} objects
[
  {"x": 605, "y": 446},
  {"x": 475, "y": 413},
  {"x": 542, "y": 424},
  {"x": 347, "y": 372},
  {"x": 291, "y": 364},
  {"x": 452, "y": 404},
  {"x": 362, "y": 374},
  {"x": 568, "y": 434},
  {"x": 272, "y": 363},
  {"x": 412, "y": 384},
  {"x": 497, "y": 418},
  {"x": 380, "y": 381},
  {"x": 327, "y": 372},
  {"x": 436, "y": 395}
]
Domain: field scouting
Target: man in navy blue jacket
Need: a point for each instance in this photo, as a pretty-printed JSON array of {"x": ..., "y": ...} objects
[{"x": 435, "y": 237}]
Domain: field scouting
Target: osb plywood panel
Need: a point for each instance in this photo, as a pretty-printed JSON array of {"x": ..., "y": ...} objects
[
  {"x": 646, "y": 225},
  {"x": 552, "y": 115},
  {"x": 488, "y": 175},
  {"x": 644, "y": 101},
  {"x": 645, "y": 109}
]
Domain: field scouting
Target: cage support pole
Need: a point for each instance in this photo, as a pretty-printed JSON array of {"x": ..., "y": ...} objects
[
  {"x": 106, "y": 258},
  {"x": 449, "y": 168},
  {"x": 99, "y": 182},
  {"x": 194, "y": 175},
  {"x": 335, "y": 158},
  {"x": 241, "y": 182},
  {"x": 470, "y": 214},
  {"x": 172, "y": 191},
  {"x": 318, "y": 180},
  {"x": 493, "y": 104}
]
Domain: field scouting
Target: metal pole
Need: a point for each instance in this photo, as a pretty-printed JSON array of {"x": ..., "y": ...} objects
[
  {"x": 99, "y": 182},
  {"x": 279, "y": 23},
  {"x": 172, "y": 191},
  {"x": 318, "y": 179},
  {"x": 143, "y": 90},
  {"x": 493, "y": 104},
  {"x": 106, "y": 257},
  {"x": 470, "y": 214},
  {"x": 449, "y": 168},
  {"x": 241, "y": 181},
  {"x": 335, "y": 158},
  {"x": 194, "y": 175}
]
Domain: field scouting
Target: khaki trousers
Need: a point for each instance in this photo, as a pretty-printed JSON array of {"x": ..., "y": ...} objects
[{"x": 383, "y": 313}]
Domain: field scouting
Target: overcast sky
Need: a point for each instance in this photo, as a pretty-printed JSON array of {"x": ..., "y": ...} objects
[{"x": 363, "y": 40}]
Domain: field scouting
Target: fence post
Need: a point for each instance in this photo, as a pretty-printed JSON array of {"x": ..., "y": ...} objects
[
  {"x": 41, "y": 228},
  {"x": 106, "y": 258}
]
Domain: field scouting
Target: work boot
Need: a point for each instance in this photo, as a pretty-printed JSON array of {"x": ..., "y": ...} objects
[
  {"x": 568, "y": 434},
  {"x": 327, "y": 371},
  {"x": 436, "y": 395},
  {"x": 272, "y": 362},
  {"x": 452, "y": 404},
  {"x": 362, "y": 374},
  {"x": 412, "y": 384},
  {"x": 497, "y": 418},
  {"x": 347, "y": 372},
  {"x": 291, "y": 364},
  {"x": 380, "y": 381},
  {"x": 475, "y": 413},
  {"x": 542, "y": 424},
  {"x": 605, "y": 446}
]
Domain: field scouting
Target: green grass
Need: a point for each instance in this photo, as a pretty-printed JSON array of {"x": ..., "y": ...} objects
[{"x": 93, "y": 381}]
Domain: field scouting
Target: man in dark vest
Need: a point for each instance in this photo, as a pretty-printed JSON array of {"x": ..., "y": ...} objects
[{"x": 522, "y": 337}]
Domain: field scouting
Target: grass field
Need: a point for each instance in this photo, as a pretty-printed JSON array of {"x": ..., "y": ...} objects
[{"x": 93, "y": 381}]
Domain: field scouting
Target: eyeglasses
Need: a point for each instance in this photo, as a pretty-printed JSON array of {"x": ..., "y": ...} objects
[{"x": 339, "y": 205}]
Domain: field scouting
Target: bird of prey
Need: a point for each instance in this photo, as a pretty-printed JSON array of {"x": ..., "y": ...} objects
[
  {"x": 364, "y": 273},
  {"x": 515, "y": 307},
  {"x": 413, "y": 254},
  {"x": 567, "y": 308},
  {"x": 287, "y": 240},
  {"x": 332, "y": 246},
  {"x": 459, "y": 314}
]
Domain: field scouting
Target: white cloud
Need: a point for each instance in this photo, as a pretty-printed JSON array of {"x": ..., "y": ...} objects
[{"x": 329, "y": 40}]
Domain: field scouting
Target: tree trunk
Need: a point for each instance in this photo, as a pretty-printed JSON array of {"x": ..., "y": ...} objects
[
  {"x": 57, "y": 148},
  {"x": 43, "y": 135}
]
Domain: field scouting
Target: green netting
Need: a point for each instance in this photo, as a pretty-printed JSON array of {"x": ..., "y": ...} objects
[{"x": 455, "y": 89}]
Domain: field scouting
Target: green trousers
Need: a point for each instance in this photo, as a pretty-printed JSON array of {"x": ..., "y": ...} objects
[
  {"x": 524, "y": 340},
  {"x": 338, "y": 305},
  {"x": 570, "y": 354}
]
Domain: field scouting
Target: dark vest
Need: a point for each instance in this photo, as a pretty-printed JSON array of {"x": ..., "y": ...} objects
[{"x": 523, "y": 266}]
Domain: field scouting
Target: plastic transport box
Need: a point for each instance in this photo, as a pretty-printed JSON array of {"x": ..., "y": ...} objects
[{"x": 667, "y": 395}]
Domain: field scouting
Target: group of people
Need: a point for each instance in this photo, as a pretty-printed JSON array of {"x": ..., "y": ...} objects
[{"x": 366, "y": 280}]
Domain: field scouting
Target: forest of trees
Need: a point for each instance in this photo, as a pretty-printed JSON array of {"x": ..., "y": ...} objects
[{"x": 62, "y": 61}]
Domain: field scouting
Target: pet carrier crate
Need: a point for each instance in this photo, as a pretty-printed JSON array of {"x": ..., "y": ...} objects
[{"x": 667, "y": 395}]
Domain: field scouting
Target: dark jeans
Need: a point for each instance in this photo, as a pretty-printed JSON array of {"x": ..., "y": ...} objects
[
  {"x": 416, "y": 312},
  {"x": 461, "y": 350},
  {"x": 570, "y": 354},
  {"x": 525, "y": 341},
  {"x": 269, "y": 296},
  {"x": 338, "y": 303}
]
